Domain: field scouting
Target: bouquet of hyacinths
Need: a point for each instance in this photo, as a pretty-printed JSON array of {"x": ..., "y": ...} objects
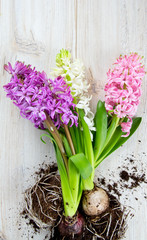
[
  {"x": 113, "y": 121},
  {"x": 81, "y": 139}
]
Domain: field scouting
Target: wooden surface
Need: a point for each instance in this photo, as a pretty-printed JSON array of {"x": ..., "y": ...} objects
[{"x": 97, "y": 31}]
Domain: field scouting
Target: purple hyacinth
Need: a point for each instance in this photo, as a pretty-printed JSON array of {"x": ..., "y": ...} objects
[{"x": 36, "y": 95}]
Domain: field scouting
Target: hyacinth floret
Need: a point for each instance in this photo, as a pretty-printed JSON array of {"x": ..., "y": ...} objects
[
  {"x": 123, "y": 88},
  {"x": 37, "y": 96},
  {"x": 74, "y": 75}
]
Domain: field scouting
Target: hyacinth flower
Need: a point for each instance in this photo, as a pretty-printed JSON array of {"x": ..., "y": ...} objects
[
  {"x": 49, "y": 105},
  {"x": 123, "y": 91},
  {"x": 73, "y": 72},
  {"x": 113, "y": 121}
]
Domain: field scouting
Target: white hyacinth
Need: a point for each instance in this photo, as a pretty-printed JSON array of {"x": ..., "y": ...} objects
[{"x": 74, "y": 75}]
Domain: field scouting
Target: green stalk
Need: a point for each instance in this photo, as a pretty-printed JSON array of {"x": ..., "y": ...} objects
[
  {"x": 111, "y": 130},
  {"x": 101, "y": 129},
  {"x": 115, "y": 137},
  {"x": 87, "y": 183},
  {"x": 69, "y": 139},
  {"x": 53, "y": 130},
  {"x": 74, "y": 175},
  {"x": 73, "y": 136},
  {"x": 70, "y": 206},
  {"x": 71, "y": 184},
  {"x": 72, "y": 170}
]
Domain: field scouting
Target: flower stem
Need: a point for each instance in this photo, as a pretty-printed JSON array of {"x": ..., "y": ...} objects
[
  {"x": 69, "y": 139},
  {"x": 53, "y": 130}
]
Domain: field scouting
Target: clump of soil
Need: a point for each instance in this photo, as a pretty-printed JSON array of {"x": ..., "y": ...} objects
[
  {"x": 110, "y": 225},
  {"x": 130, "y": 175},
  {"x": 124, "y": 175},
  {"x": 136, "y": 180},
  {"x": 44, "y": 199},
  {"x": 44, "y": 208}
]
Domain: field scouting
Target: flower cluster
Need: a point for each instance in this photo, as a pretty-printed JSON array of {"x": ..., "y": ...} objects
[
  {"x": 83, "y": 103},
  {"x": 36, "y": 96},
  {"x": 73, "y": 72},
  {"x": 123, "y": 88},
  {"x": 74, "y": 75}
]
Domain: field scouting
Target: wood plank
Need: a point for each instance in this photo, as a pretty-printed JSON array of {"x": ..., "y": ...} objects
[
  {"x": 32, "y": 31},
  {"x": 97, "y": 32},
  {"x": 106, "y": 29}
]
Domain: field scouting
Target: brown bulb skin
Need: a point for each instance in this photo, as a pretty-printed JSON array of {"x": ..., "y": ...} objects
[{"x": 70, "y": 227}]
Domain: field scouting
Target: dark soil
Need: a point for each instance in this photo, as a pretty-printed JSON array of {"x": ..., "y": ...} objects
[
  {"x": 109, "y": 225},
  {"x": 124, "y": 175},
  {"x": 44, "y": 200},
  {"x": 131, "y": 175}
]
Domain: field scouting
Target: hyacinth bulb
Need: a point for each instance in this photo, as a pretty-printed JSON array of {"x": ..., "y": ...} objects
[
  {"x": 70, "y": 226},
  {"x": 95, "y": 202}
]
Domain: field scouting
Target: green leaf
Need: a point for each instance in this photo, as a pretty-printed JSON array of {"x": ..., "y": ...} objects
[
  {"x": 108, "y": 140},
  {"x": 66, "y": 146},
  {"x": 80, "y": 193},
  {"x": 122, "y": 140},
  {"x": 111, "y": 130},
  {"x": 74, "y": 180},
  {"x": 70, "y": 207},
  {"x": 73, "y": 136},
  {"x": 82, "y": 164},
  {"x": 46, "y": 135},
  {"x": 87, "y": 144},
  {"x": 117, "y": 134},
  {"x": 79, "y": 139},
  {"x": 87, "y": 139},
  {"x": 87, "y": 183},
  {"x": 101, "y": 128},
  {"x": 117, "y": 140}
]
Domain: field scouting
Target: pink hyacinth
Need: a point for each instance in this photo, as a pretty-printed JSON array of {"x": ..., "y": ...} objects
[
  {"x": 123, "y": 88},
  {"x": 36, "y": 95},
  {"x": 126, "y": 126}
]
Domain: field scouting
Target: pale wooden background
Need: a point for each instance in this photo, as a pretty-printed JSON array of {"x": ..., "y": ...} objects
[{"x": 97, "y": 31}]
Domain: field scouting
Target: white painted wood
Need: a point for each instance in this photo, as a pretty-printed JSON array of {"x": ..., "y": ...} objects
[{"x": 97, "y": 32}]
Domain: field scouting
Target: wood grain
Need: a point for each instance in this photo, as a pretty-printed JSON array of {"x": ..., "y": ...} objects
[{"x": 97, "y": 32}]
